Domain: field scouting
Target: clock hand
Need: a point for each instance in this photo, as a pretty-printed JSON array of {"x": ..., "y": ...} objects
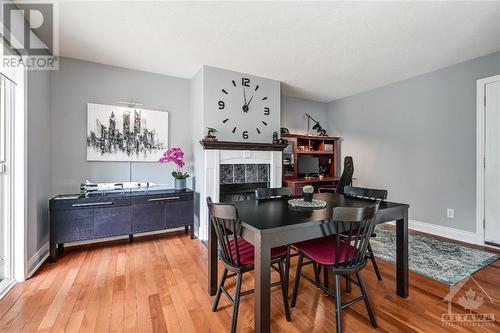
[
  {"x": 249, "y": 101},
  {"x": 245, "y": 95}
]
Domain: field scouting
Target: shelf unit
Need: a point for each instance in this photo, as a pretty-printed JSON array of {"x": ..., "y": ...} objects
[{"x": 323, "y": 147}]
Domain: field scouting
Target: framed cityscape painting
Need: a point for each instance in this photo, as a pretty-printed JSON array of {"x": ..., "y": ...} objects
[{"x": 118, "y": 133}]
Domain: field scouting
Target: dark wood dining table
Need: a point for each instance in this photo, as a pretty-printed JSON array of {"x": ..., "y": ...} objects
[{"x": 268, "y": 223}]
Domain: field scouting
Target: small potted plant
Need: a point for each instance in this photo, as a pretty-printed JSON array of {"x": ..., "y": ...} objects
[
  {"x": 211, "y": 134},
  {"x": 308, "y": 193},
  {"x": 176, "y": 155}
]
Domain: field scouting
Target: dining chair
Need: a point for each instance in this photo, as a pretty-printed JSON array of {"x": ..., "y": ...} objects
[
  {"x": 345, "y": 178},
  {"x": 372, "y": 194},
  {"x": 340, "y": 255},
  {"x": 237, "y": 256},
  {"x": 276, "y": 192}
]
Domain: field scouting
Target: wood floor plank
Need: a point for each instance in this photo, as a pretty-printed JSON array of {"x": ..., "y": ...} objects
[{"x": 158, "y": 284}]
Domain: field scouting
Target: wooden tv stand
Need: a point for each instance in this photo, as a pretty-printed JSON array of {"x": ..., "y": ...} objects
[{"x": 323, "y": 147}]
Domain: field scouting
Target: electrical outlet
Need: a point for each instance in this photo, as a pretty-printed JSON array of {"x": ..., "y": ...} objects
[{"x": 450, "y": 213}]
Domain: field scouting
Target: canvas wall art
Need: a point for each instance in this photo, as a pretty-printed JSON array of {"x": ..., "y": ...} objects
[{"x": 117, "y": 133}]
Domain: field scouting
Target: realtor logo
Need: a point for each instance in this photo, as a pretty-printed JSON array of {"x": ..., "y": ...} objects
[
  {"x": 25, "y": 24},
  {"x": 464, "y": 305}
]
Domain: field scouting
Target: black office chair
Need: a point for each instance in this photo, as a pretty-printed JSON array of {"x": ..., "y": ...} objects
[{"x": 345, "y": 178}]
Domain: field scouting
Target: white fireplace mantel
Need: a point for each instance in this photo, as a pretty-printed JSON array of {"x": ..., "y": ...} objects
[{"x": 213, "y": 158}]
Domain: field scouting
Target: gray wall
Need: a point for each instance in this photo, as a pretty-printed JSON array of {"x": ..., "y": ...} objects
[
  {"x": 417, "y": 138},
  {"x": 38, "y": 161},
  {"x": 292, "y": 114},
  {"x": 77, "y": 83}
]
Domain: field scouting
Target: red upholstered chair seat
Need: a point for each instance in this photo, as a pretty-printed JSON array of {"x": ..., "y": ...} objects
[
  {"x": 322, "y": 250},
  {"x": 246, "y": 251}
]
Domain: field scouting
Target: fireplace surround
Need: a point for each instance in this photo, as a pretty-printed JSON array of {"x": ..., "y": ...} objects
[{"x": 267, "y": 164}]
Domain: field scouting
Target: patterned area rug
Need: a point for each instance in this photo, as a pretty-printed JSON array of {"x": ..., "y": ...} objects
[{"x": 440, "y": 260}]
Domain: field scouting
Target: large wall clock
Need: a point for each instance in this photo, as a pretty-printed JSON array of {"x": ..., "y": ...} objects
[{"x": 246, "y": 107}]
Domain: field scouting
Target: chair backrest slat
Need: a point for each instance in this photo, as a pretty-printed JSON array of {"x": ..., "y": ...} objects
[
  {"x": 227, "y": 225},
  {"x": 277, "y": 192},
  {"x": 355, "y": 225},
  {"x": 365, "y": 193}
]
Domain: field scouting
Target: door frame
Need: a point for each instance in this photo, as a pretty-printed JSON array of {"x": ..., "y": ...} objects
[
  {"x": 480, "y": 158},
  {"x": 16, "y": 226}
]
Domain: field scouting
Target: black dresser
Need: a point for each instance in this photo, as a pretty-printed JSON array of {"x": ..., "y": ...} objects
[{"x": 96, "y": 215}]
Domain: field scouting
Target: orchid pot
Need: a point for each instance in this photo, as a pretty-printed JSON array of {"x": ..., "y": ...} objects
[{"x": 176, "y": 156}]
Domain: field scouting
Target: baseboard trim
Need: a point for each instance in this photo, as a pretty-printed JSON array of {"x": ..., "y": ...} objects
[
  {"x": 37, "y": 260},
  {"x": 442, "y": 231},
  {"x": 6, "y": 286}
]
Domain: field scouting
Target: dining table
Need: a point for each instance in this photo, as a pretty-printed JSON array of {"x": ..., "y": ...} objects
[{"x": 269, "y": 223}]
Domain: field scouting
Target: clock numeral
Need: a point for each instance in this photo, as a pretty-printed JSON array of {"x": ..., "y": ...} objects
[
  {"x": 222, "y": 105},
  {"x": 267, "y": 111},
  {"x": 245, "y": 135},
  {"x": 245, "y": 82}
]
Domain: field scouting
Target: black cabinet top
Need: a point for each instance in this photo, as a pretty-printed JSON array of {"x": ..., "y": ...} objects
[{"x": 93, "y": 196}]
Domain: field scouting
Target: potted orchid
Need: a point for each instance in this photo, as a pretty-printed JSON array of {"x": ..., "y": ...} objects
[{"x": 176, "y": 155}]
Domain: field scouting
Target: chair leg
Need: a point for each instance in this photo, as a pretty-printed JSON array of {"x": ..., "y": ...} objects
[
  {"x": 317, "y": 271},
  {"x": 297, "y": 279},
  {"x": 325, "y": 279},
  {"x": 374, "y": 262},
  {"x": 348, "y": 284},
  {"x": 236, "y": 302},
  {"x": 284, "y": 290},
  {"x": 287, "y": 264},
  {"x": 367, "y": 301},
  {"x": 219, "y": 290},
  {"x": 338, "y": 303}
]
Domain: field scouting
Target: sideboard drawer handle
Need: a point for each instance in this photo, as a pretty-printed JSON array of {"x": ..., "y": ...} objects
[
  {"x": 93, "y": 204},
  {"x": 162, "y": 199}
]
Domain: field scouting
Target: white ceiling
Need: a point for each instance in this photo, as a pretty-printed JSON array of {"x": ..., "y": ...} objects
[{"x": 321, "y": 51}]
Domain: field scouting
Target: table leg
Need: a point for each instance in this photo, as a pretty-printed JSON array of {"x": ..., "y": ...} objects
[
  {"x": 402, "y": 255},
  {"x": 262, "y": 309},
  {"x": 212, "y": 261}
]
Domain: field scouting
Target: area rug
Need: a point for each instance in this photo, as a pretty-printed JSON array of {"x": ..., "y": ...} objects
[{"x": 438, "y": 259}]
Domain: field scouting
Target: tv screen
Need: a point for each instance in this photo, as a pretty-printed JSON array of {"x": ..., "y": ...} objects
[{"x": 308, "y": 166}]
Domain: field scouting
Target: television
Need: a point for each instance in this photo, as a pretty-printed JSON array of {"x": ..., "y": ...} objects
[{"x": 308, "y": 166}]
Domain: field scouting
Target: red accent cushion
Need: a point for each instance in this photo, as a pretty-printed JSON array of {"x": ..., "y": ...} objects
[
  {"x": 322, "y": 250},
  {"x": 246, "y": 251}
]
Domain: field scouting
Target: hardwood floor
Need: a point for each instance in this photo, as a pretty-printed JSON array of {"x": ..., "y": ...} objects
[{"x": 159, "y": 284}]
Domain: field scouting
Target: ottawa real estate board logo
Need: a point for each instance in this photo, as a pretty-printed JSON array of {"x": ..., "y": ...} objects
[
  {"x": 466, "y": 306},
  {"x": 30, "y": 35}
]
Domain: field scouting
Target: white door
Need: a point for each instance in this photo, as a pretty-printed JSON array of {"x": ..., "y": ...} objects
[
  {"x": 3, "y": 179},
  {"x": 492, "y": 164}
]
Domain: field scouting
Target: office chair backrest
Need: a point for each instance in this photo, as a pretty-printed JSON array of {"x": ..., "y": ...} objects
[{"x": 346, "y": 178}]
